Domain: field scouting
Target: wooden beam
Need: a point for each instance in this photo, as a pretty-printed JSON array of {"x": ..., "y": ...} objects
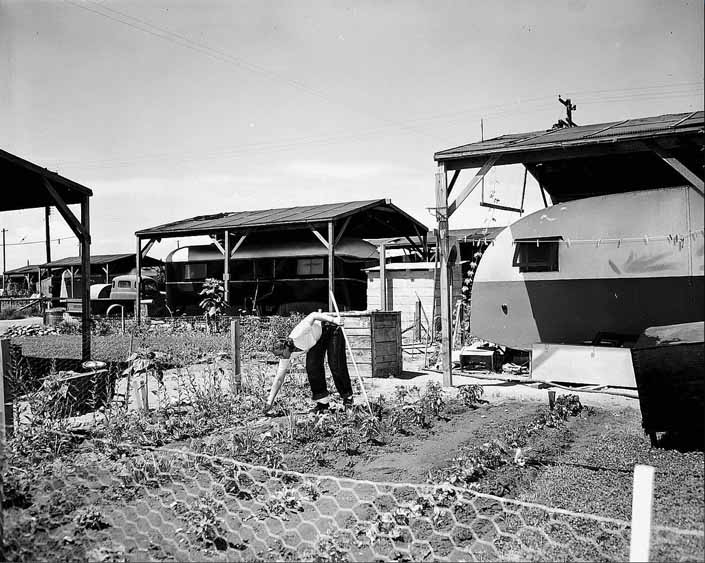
[
  {"x": 238, "y": 244},
  {"x": 543, "y": 194},
  {"x": 226, "y": 267},
  {"x": 692, "y": 178},
  {"x": 467, "y": 190},
  {"x": 453, "y": 180},
  {"x": 148, "y": 247},
  {"x": 501, "y": 207},
  {"x": 320, "y": 237},
  {"x": 138, "y": 282},
  {"x": 382, "y": 277},
  {"x": 442, "y": 249},
  {"x": 523, "y": 189},
  {"x": 85, "y": 279},
  {"x": 218, "y": 245},
  {"x": 341, "y": 232},
  {"x": 66, "y": 213},
  {"x": 331, "y": 264}
]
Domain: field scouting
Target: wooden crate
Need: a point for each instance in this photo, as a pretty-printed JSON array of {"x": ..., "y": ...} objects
[{"x": 375, "y": 339}]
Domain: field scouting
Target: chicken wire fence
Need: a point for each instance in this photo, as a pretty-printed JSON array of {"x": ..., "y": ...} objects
[{"x": 147, "y": 503}]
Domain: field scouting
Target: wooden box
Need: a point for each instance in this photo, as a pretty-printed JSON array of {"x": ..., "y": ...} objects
[{"x": 375, "y": 339}]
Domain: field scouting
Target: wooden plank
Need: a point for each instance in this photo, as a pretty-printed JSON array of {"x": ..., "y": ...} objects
[
  {"x": 383, "y": 277},
  {"x": 360, "y": 341},
  {"x": 356, "y": 322},
  {"x": 331, "y": 265},
  {"x": 467, "y": 190},
  {"x": 501, "y": 207},
  {"x": 341, "y": 231},
  {"x": 6, "y": 414},
  {"x": 320, "y": 237},
  {"x": 362, "y": 355},
  {"x": 64, "y": 210},
  {"x": 453, "y": 180},
  {"x": 85, "y": 280},
  {"x": 681, "y": 168},
  {"x": 355, "y": 331}
]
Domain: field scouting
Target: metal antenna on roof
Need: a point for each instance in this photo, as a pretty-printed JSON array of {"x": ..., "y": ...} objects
[{"x": 569, "y": 108}]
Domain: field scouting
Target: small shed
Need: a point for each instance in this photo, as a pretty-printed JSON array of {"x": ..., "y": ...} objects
[{"x": 407, "y": 283}]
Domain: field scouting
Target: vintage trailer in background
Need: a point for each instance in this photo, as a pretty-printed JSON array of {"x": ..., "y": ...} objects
[
  {"x": 276, "y": 278},
  {"x": 591, "y": 271}
]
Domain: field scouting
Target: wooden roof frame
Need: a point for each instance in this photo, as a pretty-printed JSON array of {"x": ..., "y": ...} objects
[{"x": 29, "y": 186}]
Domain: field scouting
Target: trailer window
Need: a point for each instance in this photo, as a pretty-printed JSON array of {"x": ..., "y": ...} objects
[
  {"x": 195, "y": 271},
  {"x": 309, "y": 267},
  {"x": 124, "y": 284},
  {"x": 536, "y": 255}
]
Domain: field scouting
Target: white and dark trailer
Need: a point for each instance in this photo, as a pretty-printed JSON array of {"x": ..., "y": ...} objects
[{"x": 548, "y": 288}]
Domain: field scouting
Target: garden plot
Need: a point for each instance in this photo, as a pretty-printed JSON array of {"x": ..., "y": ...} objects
[{"x": 427, "y": 476}]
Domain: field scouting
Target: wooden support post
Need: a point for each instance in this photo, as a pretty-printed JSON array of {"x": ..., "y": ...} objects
[
  {"x": 443, "y": 250},
  {"x": 47, "y": 234},
  {"x": 642, "y": 499},
  {"x": 331, "y": 264},
  {"x": 235, "y": 353},
  {"x": 226, "y": 268},
  {"x": 543, "y": 195},
  {"x": 138, "y": 282},
  {"x": 7, "y": 424},
  {"x": 85, "y": 240},
  {"x": 382, "y": 277},
  {"x": 417, "y": 320}
]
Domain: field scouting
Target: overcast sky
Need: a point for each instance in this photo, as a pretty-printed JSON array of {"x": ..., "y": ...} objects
[{"x": 170, "y": 109}]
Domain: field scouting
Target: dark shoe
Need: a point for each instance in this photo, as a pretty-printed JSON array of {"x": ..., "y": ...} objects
[
  {"x": 267, "y": 411},
  {"x": 348, "y": 402},
  {"x": 319, "y": 408}
]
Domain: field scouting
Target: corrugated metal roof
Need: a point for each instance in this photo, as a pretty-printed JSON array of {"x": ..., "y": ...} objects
[
  {"x": 23, "y": 185},
  {"x": 615, "y": 131},
  {"x": 353, "y": 248},
  {"x": 31, "y": 269},
  {"x": 97, "y": 260},
  {"x": 271, "y": 219}
]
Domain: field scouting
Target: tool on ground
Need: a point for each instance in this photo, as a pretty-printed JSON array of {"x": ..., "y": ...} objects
[{"x": 347, "y": 343}]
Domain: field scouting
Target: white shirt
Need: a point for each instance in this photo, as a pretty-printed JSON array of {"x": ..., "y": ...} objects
[{"x": 307, "y": 332}]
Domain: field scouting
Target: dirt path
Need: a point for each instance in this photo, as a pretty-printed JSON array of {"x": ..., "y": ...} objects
[{"x": 411, "y": 460}]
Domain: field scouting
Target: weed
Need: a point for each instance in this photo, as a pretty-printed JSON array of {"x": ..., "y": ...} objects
[
  {"x": 90, "y": 518},
  {"x": 285, "y": 501},
  {"x": 432, "y": 399},
  {"x": 202, "y": 521},
  {"x": 470, "y": 395}
]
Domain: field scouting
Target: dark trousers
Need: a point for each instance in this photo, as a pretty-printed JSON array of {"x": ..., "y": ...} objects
[{"x": 332, "y": 344}]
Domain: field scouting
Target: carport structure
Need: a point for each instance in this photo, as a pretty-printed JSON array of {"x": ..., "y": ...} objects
[
  {"x": 328, "y": 223},
  {"x": 571, "y": 163},
  {"x": 28, "y": 186}
]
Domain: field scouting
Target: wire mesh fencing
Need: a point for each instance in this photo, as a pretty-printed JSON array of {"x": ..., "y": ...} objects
[{"x": 141, "y": 503}]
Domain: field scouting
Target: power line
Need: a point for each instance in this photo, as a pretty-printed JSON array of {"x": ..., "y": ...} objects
[{"x": 222, "y": 56}]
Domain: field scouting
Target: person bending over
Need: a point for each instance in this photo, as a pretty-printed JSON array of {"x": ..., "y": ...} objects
[{"x": 317, "y": 335}]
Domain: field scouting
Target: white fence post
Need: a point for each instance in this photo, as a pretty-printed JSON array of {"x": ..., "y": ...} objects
[{"x": 642, "y": 499}]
